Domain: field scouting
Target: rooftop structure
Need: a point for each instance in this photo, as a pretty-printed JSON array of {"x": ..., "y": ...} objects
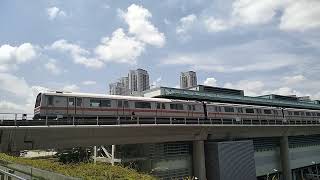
[{"x": 225, "y": 97}]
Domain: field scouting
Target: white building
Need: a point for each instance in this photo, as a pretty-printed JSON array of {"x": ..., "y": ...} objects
[
  {"x": 120, "y": 88},
  {"x": 138, "y": 81},
  {"x": 188, "y": 79}
]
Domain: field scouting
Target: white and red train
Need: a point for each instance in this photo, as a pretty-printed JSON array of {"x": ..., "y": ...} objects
[{"x": 64, "y": 105}]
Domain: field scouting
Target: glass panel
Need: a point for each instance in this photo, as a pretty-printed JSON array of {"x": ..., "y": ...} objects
[
  {"x": 38, "y": 100},
  {"x": 158, "y": 106},
  {"x": 50, "y": 100},
  {"x": 176, "y": 106},
  {"x": 296, "y": 113},
  {"x": 79, "y": 101},
  {"x": 105, "y": 103},
  {"x": 145, "y": 105},
  {"x": 308, "y": 114},
  {"x": 228, "y": 109},
  {"x": 71, "y": 101},
  {"x": 126, "y": 104},
  {"x": 163, "y": 106},
  {"x": 119, "y": 103},
  {"x": 267, "y": 111},
  {"x": 259, "y": 111},
  {"x": 95, "y": 102},
  {"x": 250, "y": 111}
]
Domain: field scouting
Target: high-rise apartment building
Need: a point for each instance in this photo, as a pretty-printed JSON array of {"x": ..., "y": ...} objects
[
  {"x": 138, "y": 81},
  {"x": 133, "y": 84},
  {"x": 188, "y": 79},
  {"x": 120, "y": 88}
]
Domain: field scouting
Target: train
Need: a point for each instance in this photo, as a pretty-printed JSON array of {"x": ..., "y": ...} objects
[{"x": 57, "y": 104}]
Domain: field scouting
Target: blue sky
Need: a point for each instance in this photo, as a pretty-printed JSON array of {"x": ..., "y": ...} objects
[{"x": 79, "y": 45}]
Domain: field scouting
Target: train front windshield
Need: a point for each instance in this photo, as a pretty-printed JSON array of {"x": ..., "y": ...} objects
[{"x": 38, "y": 100}]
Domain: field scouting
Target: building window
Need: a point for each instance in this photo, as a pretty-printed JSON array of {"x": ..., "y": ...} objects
[
  {"x": 144, "y": 105},
  {"x": 250, "y": 111},
  {"x": 228, "y": 109},
  {"x": 50, "y": 100},
  {"x": 105, "y": 103}
]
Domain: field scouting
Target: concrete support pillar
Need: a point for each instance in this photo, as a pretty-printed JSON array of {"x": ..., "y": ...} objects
[
  {"x": 285, "y": 158},
  {"x": 199, "y": 165}
]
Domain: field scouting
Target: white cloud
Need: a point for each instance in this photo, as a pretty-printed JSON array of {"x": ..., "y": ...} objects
[
  {"x": 78, "y": 54},
  {"x": 292, "y": 80},
  {"x": 87, "y": 83},
  {"x": 210, "y": 82},
  {"x": 137, "y": 18},
  {"x": 186, "y": 23},
  {"x": 14, "y": 85},
  {"x": 55, "y": 12},
  {"x": 52, "y": 67},
  {"x": 10, "y": 107},
  {"x": 119, "y": 48},
  {"x": 71, "y": 88},
  {"x": 251, "y": 88},
  {"x": 157, "y": 82},
  {"x": 11, "y": 56},
  {"x": 301, "y": 15},
  {"x": 215, "y": 25}
]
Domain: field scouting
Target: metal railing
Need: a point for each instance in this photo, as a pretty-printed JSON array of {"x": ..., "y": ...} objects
[
  {"x": 21, "y": 120},
  {"x": 7, "y": 175}
]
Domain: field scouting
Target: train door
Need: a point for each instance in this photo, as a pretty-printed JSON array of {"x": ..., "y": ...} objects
[
  {"x": 71, "y": 106},
  {"x": 79, "y": 107},
  {"x": 158, "y": 111},
  {"x": 120, "y": 107}
]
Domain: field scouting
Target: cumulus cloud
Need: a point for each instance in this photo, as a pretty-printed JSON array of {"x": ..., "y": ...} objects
[
  {"x": 79, "y": 55},
  {"x": 186, "y": 23},
  {"x": 14, "y": 85},
  {"x": 291, "y": 80},
  {"x": 119, "y": 48},
  {"x": 292, "y": 15},
  {"x": 52, "y": 67},
  {"x": 87, "y": 83},
  {"x": 137, "y": 18},
  {"x": 210, "y": 82},
  {"x": 251, "y": 88},
  {"x": 55, "y": 12},
  {"x": 10, "y": 56},
  {"x": 301, "y": 16},
  {"x": 10, "y": 107}
]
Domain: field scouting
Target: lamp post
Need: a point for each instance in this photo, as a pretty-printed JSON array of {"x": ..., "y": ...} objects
[{"x": 314, "y": 163}]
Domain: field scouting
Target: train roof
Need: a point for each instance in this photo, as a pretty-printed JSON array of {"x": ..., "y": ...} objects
[{"x": 91, "y": 95}]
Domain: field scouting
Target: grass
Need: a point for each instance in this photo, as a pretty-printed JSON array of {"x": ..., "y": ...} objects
[{"x": 81, "y": 170}]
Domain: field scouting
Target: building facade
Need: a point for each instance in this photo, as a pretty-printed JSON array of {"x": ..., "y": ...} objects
[
  {"x": 135, "y": 83},
  {"x": 188, "y": 79}
]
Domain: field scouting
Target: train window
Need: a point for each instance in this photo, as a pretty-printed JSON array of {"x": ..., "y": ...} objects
[
  {"x": 145, "y": 105},
  {"x": 176, "y": 106},
  {"x": 38, "y": 100},
  {"x": 250, "y": 111},
  {"x": 318, "y": 114},
  {"x": 217, "y": 108},
  {"x": 314, "y": 114},
  {"x": 126, "y": 104},
  {"x": 119, "y": 103},
  {"x": 163, "y": 106},
  {"x": 228, "y": 109},
  {"x": 158, "y": 106},
  {"x": 194, "y": 107},
  {"x": 302, "y": 113},
  {"x": 296, "y": 113},
  {"x": 94, "y": 102},
  {"x": 267, "y": 111},
  {"x": 275, "y": 112},
  {"x": 50, "y": 100},
  {"x": 105, "y": 103},
  {"x": 71, "y": 101},
  {"x": 240, "y": 110},
  {"x": 259, "y": 111},
  {"x": 308, "y": 114},
  {"x": 79, "y": 101}
]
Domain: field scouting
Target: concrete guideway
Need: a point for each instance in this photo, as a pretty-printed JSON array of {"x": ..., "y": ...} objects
[{"x": 44, "y": 137}]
